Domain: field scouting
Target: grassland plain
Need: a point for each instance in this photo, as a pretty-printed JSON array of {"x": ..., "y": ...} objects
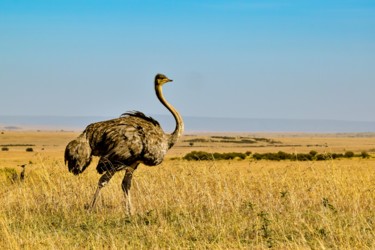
[{"x": 236, "y": 204}]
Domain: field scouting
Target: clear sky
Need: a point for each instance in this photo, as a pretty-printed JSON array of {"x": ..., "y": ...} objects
[{"x": 299, "y": 59}]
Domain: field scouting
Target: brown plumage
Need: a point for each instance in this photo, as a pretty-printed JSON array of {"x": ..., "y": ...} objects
[
  {"x": 22, "y": 174},
  {"x": 123, "y": 143}
]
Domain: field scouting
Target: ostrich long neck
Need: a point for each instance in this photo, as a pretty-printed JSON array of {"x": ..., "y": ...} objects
[{"x": 179, "y": 122}]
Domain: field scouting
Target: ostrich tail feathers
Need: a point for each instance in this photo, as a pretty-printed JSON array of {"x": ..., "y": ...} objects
[
  {"x": 78, "y": 155},
  {"x": 142, "y": 116}
]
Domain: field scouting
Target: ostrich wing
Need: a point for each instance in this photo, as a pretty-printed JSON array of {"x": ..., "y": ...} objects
[{"x": 125, "y": 141}]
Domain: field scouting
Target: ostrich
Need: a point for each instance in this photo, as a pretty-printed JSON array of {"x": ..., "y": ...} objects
[
  {"x": 22, "y": 174},
  {"x": 122, "y": 144}
]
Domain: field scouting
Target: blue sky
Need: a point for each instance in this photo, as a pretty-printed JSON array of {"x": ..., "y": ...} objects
[{"x": 305, "y": 59}]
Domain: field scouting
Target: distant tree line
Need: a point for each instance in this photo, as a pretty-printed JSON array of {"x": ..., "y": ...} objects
[
  {"x": 205, "y": 156},
  {"x": 311, "y": 156}
]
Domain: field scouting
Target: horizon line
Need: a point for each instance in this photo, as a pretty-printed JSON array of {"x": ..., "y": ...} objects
[{"x": 195, "y": 116}]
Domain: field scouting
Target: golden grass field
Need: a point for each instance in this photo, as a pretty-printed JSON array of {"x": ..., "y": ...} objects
[{"x": 224, "y": 204}]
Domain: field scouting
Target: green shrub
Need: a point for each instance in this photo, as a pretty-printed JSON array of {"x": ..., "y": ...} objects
[
  {"x": 311, "y": 156},
  {"x": 271, "y": 156},
  {"x": 313, "y": 153},
  {"x": 365, "y": 155},
  {"x": 204, "y": 156},
  {"x": 230, "y": 156},
  {"x": 198, "y": 156},
  {"x": 29, "y": 149},
  {"x": 321, "y": 157},
  {"x": 337, "y": 156},
  {"x": 349, "y": 154},
  {"x": 257, "y": 156},
  {"x": 284, "y": 156},
  {"x": 304, "y": 157}
]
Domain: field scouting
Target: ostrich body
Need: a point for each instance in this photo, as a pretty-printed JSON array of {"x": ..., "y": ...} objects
[
  {"x": 122, "y": 144},
  {"x": 22, "y": 174}
]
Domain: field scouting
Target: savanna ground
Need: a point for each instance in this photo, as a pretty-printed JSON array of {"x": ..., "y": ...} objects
[{"x": 224, "y": 204}]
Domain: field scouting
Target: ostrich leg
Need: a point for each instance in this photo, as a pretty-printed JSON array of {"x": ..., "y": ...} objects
[
  {"x": 106, "y": 177},
  {"x": 126, "y": 184}
]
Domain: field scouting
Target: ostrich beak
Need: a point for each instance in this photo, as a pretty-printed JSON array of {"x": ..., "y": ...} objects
[{"x": 170, "y": 80}]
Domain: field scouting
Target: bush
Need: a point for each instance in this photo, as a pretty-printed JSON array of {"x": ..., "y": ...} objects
[
  {"x": 230, "y": 156},
  {"x": 321, "y": 157},
  {"x": 304, "y": 157},
  {"x": 365, "y": 155},
  {"x": 271, "y": 156},
  {"x": 204, "y": 156},
  {"x": 4, "y": 149},
  {"x": 257, "y": 156},
  {"x": 337, "y": 156},
  {"x": 313, "y": 153},
  {"x": 274, "y": 156},
  {"x": 349, "y": 154},
  {"x": 29, "y": 149},
  {"x": 198, "y": 156},
  {"x": 284, "y": 156},
  {"x": 311, "y": 156}
]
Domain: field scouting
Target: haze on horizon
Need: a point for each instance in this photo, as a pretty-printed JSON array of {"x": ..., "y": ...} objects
[{"x": 260, "y": 59}]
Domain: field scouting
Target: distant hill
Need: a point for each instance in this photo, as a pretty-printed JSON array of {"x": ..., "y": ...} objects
[{"x": 194, "y": 124}]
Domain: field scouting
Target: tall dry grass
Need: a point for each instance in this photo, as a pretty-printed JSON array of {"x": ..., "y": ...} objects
[{"x": 200, "y": 205}]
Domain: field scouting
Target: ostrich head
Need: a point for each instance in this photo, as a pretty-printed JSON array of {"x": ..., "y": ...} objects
[{"x": 161, "y": 79}]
